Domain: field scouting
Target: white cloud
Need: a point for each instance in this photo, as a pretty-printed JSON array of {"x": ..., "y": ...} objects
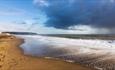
[
  {"x": 11, "y": 11},
  {"x": 30, "y": 26},
  {"x": 112, "y": 1},
  {"x": 82, "y": 29},
  {"x": 11, "y": 27},
  {"x": 41, "y": 2},
  {"x": 87, "y": 29}
]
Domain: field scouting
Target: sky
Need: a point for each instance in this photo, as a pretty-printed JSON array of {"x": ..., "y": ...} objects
[{"x": 58, "y": 16}]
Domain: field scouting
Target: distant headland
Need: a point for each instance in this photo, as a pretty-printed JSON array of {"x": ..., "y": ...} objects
[{"x": 20, "y": 33}]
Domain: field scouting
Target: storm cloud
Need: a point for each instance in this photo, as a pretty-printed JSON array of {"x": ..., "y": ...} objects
[{"x": 65, "y": 13}]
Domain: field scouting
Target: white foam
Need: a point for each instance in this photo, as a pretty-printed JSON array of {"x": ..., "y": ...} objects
[
  {"x": 71, "y": 50},
  {"x": 39, "y": 43}
]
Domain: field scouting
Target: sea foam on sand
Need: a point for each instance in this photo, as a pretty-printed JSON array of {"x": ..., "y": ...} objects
[
  {"x": 84, "y": 45},
  {"x": 91, "y": 52}
]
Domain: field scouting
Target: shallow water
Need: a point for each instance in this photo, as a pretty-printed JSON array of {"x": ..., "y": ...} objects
[
  {"x": 54, "y": 46},
  {"x": 72, "y": 50}
]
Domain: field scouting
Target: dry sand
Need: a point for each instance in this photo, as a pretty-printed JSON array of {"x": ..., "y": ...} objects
[{"x": 12, "y": 58}]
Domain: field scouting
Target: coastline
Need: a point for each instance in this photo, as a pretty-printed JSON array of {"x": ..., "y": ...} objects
[{"x": 12, "y": 58}]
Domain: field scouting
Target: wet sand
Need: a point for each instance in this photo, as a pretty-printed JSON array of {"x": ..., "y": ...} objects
[{"x": 12, "y": 58}]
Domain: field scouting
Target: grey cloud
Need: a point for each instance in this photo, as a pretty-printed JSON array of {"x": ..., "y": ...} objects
[{"x": 65, "y": 13}]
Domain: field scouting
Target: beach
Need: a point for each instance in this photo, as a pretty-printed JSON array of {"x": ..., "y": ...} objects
[
  {"x": 94, "y": 53},
  {"x": 12, "y": 58}
]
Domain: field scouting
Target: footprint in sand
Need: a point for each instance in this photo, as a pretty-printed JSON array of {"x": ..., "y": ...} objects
[{"x": 2, "y": 56}]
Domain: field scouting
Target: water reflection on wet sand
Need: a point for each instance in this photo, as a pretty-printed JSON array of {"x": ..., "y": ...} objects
[{"x": 92, "y": 53}]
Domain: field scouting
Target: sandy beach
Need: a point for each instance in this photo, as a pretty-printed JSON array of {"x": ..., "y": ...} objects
[{"x": 12, "y": 58}]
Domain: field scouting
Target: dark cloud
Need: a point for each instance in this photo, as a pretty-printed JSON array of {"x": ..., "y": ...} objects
[{"x": 65, "y": 13}]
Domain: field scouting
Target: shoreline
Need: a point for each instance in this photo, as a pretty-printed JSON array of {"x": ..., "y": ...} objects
[{"x": 14, "y": 59}]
